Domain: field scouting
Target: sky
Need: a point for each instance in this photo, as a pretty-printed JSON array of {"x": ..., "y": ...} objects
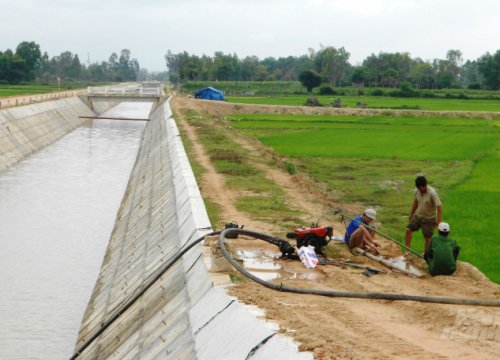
[{"x": 94, "y": 29}]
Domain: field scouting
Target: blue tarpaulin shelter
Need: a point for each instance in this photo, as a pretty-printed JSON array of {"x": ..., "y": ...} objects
[{"x": 209, "y": 93}]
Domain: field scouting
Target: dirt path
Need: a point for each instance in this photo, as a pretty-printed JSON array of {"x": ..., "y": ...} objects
[
  {"x": 336, "y": 328},
  {"x": 213, "y": 184}
]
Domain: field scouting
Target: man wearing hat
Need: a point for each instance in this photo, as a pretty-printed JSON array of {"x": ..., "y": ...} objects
[
  {"x": 441, "y": 256},
  {"x": 359, "y": 234}
]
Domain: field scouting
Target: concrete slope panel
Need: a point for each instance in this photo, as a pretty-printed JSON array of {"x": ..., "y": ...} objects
[{"x": 181, "y": 316}]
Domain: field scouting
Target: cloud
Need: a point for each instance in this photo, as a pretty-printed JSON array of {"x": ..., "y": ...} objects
[{"x": 264, "y": 28}]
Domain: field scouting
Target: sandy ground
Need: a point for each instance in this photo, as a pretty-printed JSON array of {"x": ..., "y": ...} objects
[{"x": 339, "y": 328}]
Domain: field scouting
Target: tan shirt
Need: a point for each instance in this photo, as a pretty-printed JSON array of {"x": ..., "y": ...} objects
[{"x": 427, "y": 203}]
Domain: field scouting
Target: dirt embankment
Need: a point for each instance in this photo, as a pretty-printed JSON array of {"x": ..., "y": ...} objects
[
  {"x": 336, "y": 328},
  {"x": 220, "y": 108}
]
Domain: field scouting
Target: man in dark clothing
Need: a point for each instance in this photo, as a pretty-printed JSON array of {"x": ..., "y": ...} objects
[{"x": 441, "y": 256}]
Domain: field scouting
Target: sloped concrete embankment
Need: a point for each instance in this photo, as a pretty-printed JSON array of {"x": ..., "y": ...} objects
[
  {"x": 27, "y": 129},
  {"x": 182, "y": 316}
]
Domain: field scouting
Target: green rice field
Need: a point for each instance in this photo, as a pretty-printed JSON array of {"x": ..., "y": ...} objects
[
  {"x": 12, "y": 90},
  {"x": 377, "y": 102},
  {"x": 373, "y": 161}
]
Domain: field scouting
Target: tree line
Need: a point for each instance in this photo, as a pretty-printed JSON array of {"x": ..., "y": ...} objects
[
  {"x": 332, "y": 66},
  {"x": 27, "y": 63}
]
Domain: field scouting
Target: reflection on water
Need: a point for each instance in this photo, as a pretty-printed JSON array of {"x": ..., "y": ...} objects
[{"x": 57, "y": 211}]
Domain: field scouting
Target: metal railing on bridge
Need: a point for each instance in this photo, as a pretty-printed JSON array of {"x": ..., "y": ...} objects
[{"x": 125, "y": 91}]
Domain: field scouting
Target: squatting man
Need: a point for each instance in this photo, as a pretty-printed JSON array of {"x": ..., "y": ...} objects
[{"x": 360, "y": 234}]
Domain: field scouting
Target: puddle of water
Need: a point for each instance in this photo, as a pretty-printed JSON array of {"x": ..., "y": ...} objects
[{"x": 266, "y": 265}]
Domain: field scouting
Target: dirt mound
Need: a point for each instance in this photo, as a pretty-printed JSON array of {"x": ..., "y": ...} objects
[{"x": 338, "y": 328}]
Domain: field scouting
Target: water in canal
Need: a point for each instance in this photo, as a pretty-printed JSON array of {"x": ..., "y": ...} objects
[{"x": 57, "y": 211}]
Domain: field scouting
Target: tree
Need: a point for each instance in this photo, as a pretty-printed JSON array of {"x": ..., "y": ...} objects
[
  {"x": 75, "y": 69},
  {"x": 113, "y": 61},
  {"x": 389, "y": 69},
  {"x": 489, "y": 67},
  {"x": 470, "y": 74},
  {"x": 226, "y": 67},
  {"x": 127, "y": 68},
  {"x": 422, "y": 76},
  {"x": 30, "y": 53},
  {"x": 332, "y": 64},
  {"x": 310, "y": 79},
  {"x": 444, "y": 73},
  {"x": 360, "y": 75},
  {"x": 249, "y": 67},
  {"x": 13, "y": 68}
]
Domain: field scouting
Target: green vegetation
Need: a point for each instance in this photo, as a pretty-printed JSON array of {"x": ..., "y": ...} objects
[
  {"x": 260, "y": 196},
  {"x": 309, "y": 79},
  {"x": 11, "y": 90},
  {"x": 377, "y": 102},
  {"x": 373, "y": 161},
  {"x": 213, "y": 209},
  {"x": 392, "y": 71},
  {"x": 247, "y": 87},
  {"x": 27, "y": 63}
]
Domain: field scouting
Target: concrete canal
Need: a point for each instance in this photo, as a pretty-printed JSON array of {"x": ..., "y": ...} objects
[{"x": 57, "y": 211}]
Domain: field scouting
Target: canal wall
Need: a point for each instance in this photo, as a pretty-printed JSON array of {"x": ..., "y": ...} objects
[
  {"x": 182, "y": 315},
  {"x": 27, "y": 129}
]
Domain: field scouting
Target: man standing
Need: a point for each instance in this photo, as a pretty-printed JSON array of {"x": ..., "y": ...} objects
[
  {"x": 358, "y": 233},
  {"x": 442, "y": 253},
  {"x": 423, "y": 212}
]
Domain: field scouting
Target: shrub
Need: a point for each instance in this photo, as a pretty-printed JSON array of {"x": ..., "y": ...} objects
[
  {"x": 449, "y": 95},
  {"x": 377, "y": 92},
  {"x": 227, "y": 155},
  {"x": 407, "y": 90},
  {"x": 337, "y": 103},
  {"x": 361, "y": 92},
  {"x": 394, "y": 93},
  {"x": 327, "y": 90},
  {"x": 290, "y": 167},
  {"x": 312, "y": 101}
]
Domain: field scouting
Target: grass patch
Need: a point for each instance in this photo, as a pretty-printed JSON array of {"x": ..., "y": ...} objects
[
  {"x": 270, "y": 207},
  {"x": 237, "y": 278},
  {"x": 230, "y": 159},
  {"x": 472, "y": 208},
  {"x": 13, "y": 90}
]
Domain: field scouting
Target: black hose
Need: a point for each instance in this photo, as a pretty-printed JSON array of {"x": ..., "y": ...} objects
[
  {"x": 330, "y": 293},
  {"x": 129, "y": 303}
]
